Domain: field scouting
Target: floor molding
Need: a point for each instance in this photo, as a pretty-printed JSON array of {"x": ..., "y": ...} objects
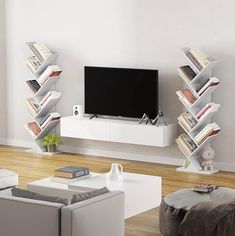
[{"x": 118, "y": 155}]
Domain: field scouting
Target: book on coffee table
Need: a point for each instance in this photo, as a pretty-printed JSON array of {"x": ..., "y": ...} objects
[{"x": 71, "y": 172}]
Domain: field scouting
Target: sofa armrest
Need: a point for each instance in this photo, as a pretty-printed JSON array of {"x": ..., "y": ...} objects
[
  {"x": 27, "y": 217},
  {"x": 101, "y": 215}
]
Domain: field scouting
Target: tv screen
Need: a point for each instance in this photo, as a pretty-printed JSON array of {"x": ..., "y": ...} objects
[{"x": 122, "y": 92}]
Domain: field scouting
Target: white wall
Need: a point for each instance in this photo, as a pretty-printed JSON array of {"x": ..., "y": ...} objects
[
  {"x": 132, "y": 33},
  {"x": 2, "y": 71}
]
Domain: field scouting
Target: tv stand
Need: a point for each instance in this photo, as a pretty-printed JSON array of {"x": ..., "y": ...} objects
[
  {"x": 120, "y": 131},
  {"x": 93, "y": 116}
]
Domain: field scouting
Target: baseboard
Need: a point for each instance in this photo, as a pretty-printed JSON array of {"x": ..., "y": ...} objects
[
  {"x": 118, "y": 155},
  {"x": 17, "y": 143},
  {"x": 122, "y": 155}
]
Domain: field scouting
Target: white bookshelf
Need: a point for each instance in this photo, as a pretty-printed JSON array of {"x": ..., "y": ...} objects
[
  {"x": 38, "y": 95},
  {"x": 201, "y": 77}
]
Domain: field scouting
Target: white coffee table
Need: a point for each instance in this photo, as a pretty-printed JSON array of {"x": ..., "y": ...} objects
[{"x": 142, "y": 192}]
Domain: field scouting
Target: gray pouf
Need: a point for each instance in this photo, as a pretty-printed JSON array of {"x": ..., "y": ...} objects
[{"x": 176, "y": 207}]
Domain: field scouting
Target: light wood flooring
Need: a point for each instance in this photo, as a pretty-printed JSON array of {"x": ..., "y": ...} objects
[{"x": 33, "y": 166}]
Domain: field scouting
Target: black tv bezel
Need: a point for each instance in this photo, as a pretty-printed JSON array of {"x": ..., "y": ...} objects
[{"x": 119, "y": 116}]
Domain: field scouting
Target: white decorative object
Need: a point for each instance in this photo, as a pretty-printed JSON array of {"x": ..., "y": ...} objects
[
  {"x": 201, "y": 110},
  {"x": 120, "y": 131},
  {"x": 114, "y": 177},
  {"x": 208, "y": 156}
]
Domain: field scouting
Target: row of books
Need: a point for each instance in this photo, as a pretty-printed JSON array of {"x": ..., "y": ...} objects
[
  {"x": 187, "y": 121},
  {"x": 34, "y": 106},
  {"x": 41, "y": 53},
  {"x": 50, "y": 117},
  {"x": 186, "y": 97},
  {"x": 186, "y": 73},
  {"x": 198, "y": 58},
  {"x": 209, "y": 130},
  {"x": 211, "y": 82},
  {"x": 206, "y": 110},
  {"x": 40, "y": 50},
  {"x": 186, "y": 144},
  {"x": 51, "y": 72},
  {"x": 70, "y": 174},
  {"x": 35, "y": 129}
]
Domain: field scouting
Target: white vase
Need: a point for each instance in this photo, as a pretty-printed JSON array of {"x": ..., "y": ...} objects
[{"x": 114, "y": 177}]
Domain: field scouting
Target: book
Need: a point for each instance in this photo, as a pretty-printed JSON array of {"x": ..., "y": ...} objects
[
  {"x": 33, "y": 126},
  {"x": 213, "y": 81},
  {"x": 42, "y": 50},
  {"x": 71, "y": 172},
  {"x": 186, "y": 97},
  {"x": 50, "y": 117},
  {"x": 189, "y": 96},
  {"x": 201, "y": 57},
  {"x": 48, "y": 97},
  {"x": 205, "y": 188},
  {"x": 187, "y": 121},
  {"x": 187, "y": 73},
  {"x": 209, "y": 130},
  {"x": 33, "y": 63},
  {"x": 207, "y": 109},
  {"x": 51, "y": 71},
  {"x": 33, "y": 85},
  {"x": 194, "y": 60}
]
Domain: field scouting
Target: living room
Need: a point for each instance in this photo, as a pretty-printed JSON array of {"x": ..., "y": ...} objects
[{"x": 144, "y": 35}]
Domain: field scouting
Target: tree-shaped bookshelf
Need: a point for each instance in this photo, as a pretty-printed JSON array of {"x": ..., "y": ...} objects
[
  {"x": 43, "y": 99},
  {"x": 196, "y": 120}
]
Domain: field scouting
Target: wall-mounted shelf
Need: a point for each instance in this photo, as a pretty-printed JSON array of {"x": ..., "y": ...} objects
[
  {"x": 118, "y": 131},
  {"x": 199, "y": 80}
]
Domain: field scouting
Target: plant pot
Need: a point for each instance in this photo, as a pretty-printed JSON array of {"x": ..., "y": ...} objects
[{"x": 51, "y": 147}]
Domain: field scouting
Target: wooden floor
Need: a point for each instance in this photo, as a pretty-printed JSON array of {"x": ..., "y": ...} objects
[{"x": 33, "y": 166}]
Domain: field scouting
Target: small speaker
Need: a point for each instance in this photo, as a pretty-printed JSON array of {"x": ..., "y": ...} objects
[{"x": 78, "y": 111}]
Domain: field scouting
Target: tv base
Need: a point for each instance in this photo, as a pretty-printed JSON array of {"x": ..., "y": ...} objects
[
  {"x": 93, "y": 116},
  {"x": 119, "y": 131}
]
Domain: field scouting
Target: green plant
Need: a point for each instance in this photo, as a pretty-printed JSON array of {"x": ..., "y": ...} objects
[{"x": 51, "y": 139}]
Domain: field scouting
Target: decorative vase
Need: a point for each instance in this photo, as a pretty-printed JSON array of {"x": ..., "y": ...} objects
[
  {"x": 51, "y": 147},
  {"x": 114, "y": 177}
]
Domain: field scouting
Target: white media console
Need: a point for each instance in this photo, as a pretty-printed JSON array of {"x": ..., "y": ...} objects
[{"x": 120, "y": 131}]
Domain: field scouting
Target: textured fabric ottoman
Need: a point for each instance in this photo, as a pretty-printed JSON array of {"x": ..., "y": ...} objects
[
  {"x": 188, "y": 213},
  {"x": 8, "y": 179}
]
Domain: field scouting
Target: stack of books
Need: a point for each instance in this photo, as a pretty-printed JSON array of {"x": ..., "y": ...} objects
[
  {"x": 33, "y": 85},
  {"x": 33, "y": 128},
  {"x": 40, "y": 50},
  {"x": 208, "y": 131},
  {"x": 186, "y": 144},
  {"x": 206, "y": 110},
  {"x": 187, "y": 121},
  {"x": 198, "y": 58},
  {"x": 186, "y": 73},
  {"x": 69, "y": 174},
  {"x": 51, "y": 95},
  {"x": 50, "y": 72},
  {"x": 186, "y": 97},
  {"x": 53, "y": 116},
  {"x": 33, "y": 106},
  {"x": 211, "y": 82},
  {"x": 41, "y": 53},
  {"x": 33, "y": 63},
  {"x": 205, "y": 188}
]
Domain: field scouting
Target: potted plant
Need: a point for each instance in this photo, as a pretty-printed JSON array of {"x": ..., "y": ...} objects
[{"x": 50, "y": 142}]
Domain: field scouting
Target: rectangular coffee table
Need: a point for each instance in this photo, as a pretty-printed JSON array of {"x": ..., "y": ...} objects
[{"x": 142, "y": 192}]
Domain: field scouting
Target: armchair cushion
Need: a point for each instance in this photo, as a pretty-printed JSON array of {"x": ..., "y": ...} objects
[
  {"x": 87, "y": 195},
  {"x": 17, "y": 192}
]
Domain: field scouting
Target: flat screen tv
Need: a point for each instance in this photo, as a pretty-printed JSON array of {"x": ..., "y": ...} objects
[{"x": 121, "y": 92}]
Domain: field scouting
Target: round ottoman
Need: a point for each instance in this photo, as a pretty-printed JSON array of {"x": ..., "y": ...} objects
[{"x": 186, "y": 211}]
